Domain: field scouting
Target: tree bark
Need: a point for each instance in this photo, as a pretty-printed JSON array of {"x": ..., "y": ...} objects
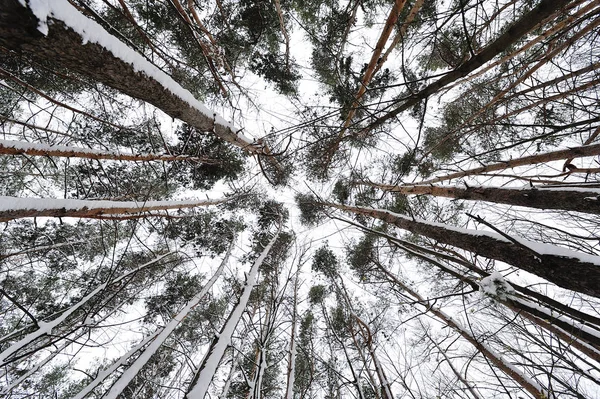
[
  {"x": 62, "y": 45},
  {"x": 514, "y": 33},
  {"x": 9, "y": 147},
  {"x": 210, "y": 362},
  {"x": 569, "y": 153},
  {"x": 568, "y": 272},
  {"x": 578, "y": 200},
  {"x": 18, "y": 208}
]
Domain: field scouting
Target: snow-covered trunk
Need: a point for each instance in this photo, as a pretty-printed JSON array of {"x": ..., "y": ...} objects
[
  {"x": 569, "y": 153},
  {"x": 56, "y": 31},
  {"x": 101, "y": 375},
  {"x": 525, "y": 382},
  {"x": 16, "y": 208},
  {"x": 291, "y": 370},
  {"x": 6, "y": 390},
  {"x": 20, "y": 147},
  {"x": 575, "y": 328},
  {"x": 568, "y": 269},
  {"x": 133, "y": 370},
  {"x": 47, "y": 327},
  {"x": 578, "y": 199},
  {"x": 210, "y": 362}
]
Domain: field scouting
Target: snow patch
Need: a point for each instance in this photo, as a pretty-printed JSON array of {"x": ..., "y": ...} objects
[{"x": 496, "y": 286}]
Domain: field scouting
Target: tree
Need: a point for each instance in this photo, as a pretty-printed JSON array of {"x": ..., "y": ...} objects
[{"x": 443, "y": 157}]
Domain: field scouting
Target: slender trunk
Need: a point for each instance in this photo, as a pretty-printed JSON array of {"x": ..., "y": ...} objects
[
  {"x": 579, "y": 199},
  {"x": 291, "y": 369},
  {"x": 47, "y": 327},
  {"x": 17, "y": 208},
  {"x": 55, "y": 34},
  {"x": 375, "y": 60},
  {"x": 568, "y": 269},
  {"x": 102, "y": 375},
  {"x": 39, "y": 365},
  {"x": 529, "y": 385},
  {"x": 210, "y": 362},
  {"x": 18, "y": 147},
  {"x": 511, "y": 35},
  {"x": 569, "y": 153},
  {"x": 133, "y": 370}
]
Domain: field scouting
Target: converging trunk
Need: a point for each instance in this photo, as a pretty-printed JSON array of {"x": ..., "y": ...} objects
[{"x": 568, "y": 269}]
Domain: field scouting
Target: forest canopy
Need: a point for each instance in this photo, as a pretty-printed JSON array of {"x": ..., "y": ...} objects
[{"x": 248, "y": 199}]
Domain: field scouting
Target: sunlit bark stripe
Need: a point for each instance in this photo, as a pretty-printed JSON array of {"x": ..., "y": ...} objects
[
  {"x": 579, "y": 199},
  {"x": 9, "y": 147},
  {"x": 17, "y": 208},
  {"x": 568, "y": 269}
]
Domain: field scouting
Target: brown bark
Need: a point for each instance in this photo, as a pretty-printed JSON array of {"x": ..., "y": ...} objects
[
  {"x": 34, "y": 207},
  {"x": 541, "y": 198},
  {"x": 510, "y": 36},
  {"x": 18, "y": 32},
  {"x": 574, "y": 152},
  {"x": 570, "y": 273},
  {"x": 8, "y": 148},
  {"x": 375, "y": 59},
  {"x": 482, "y": 348}
]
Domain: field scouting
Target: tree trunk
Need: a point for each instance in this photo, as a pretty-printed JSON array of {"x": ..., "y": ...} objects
[
  {"x": 567, "y": 269},
  {"x": 17, "y": 208},
  {"x": 527, "y": 384},
  {"x": 129, "y": 374},
  {"x": 569, "y": 153},
  {"x": 577, "y": 199},
  {"x": 514, "y": 33},
  {"x": 215, "y": 352},
  {"x": 101, "y": 57},
  {"x": 18, "y": 147}
]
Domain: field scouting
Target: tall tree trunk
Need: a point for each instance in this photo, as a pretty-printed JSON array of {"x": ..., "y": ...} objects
[
  {"x": 568, "y": 269},
  {"x": 291, "y": 369},
  {"x": 530, "y": 386},
  {"x": 215, "y": 352},
  {"x": 129, "y": 374},
  {"x": 511, "y": 35},
  {"x": 67, "y": 37},
  {"x": 18, "y": 147},
  {"x": 17, "y": 208},
  {"x": 581, "y": 333},
  {"x": 47, "y": 327},
  {"x": 546, "y": 197},
  {"x": 569, "y": 153}
]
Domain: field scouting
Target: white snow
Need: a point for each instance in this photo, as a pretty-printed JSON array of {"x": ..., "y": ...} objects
[
  {"x": 109, "y": 370},
  {"x": 213, "y": 357},
  {"x": 41, "y": 204},
  {"x": 47, "y": 327},
  {"x": 134, "y": 369},
  {"x": 496, "y": 286},
  {"x": 92, "y": 32}
]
